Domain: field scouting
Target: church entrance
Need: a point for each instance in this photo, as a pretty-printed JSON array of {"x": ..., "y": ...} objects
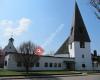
[{"x": 70, "y": 65}]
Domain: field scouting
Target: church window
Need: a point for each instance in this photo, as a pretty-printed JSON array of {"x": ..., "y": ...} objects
[
  {"x": 82, "y": 55},
  {"x": 59, "y": 65},
  {"x": 50, "y": 64},
  {"x": 46, "y": 64},
  {"x": 83, "y": 66},
  {"x": 19, "y": 64},
  {"x": 5, "y": 63},
  {"x": 55, "y": 64},
  {"x": 9, "y": 47},
  {"x": 37, "y": 64},
  {"x": 82, "y": 44}
]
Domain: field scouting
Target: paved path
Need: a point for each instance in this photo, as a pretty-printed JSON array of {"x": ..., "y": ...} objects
[
  {"x": 63, "y": 77},
  {"x": 89, "y": 77}
]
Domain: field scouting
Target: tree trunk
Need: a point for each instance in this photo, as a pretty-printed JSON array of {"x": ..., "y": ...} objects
[{"x": 27, "y": 69}]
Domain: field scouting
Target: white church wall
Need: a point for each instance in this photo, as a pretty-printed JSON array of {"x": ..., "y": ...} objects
[
  {"x": 6, "y": 62},
  {"x": 77, "y": 53},
  {"x": 49, "y": 60},
  {"x": 10, "y": 62},
  {"x": 71, "y": 49},
  {"x": 78, "y": 56},
  {"x": 12, "y": 65}
]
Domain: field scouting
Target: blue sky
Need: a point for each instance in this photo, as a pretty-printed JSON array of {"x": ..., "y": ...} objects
[{"x": 45, "y": 22}]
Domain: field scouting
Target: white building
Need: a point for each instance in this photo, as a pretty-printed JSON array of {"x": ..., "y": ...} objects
[{"x": 74, "y": 54}]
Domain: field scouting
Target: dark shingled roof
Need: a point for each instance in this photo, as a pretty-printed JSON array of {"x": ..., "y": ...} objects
[
  {"x": 78, "y": 30},
  {"x": 64, "y": 48}
]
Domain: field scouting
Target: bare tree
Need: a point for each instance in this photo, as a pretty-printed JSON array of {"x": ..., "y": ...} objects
[
  {"x": 96, "y": 5},
  {"x": 2, "y": 55},
  {"x": 26, "y": 55}
]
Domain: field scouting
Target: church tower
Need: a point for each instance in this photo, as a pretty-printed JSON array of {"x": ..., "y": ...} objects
[
  {"x": 10, "y": 47},
  {"x": 79, "y": 42},
  {"x": 9, "y": 50}
]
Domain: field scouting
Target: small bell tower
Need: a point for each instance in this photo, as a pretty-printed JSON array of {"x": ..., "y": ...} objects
[{"x": 10, "y": 48}]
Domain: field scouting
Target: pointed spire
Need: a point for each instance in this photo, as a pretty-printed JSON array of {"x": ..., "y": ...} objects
[{"x": 78, "y": 30}]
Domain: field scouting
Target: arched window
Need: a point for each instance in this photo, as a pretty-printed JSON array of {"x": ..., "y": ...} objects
[
  {"x": 9, "y": 47},
  {"x": 46, "y": 64},
  {"x": 83, "y": 66},
  {"x": 55, "y": 64},
  {"x": 5, "y": 63},
  {"x": 50, "y": 65},
  {"x": 82, "y": 44},
  {"x": 82, "y": 55}
]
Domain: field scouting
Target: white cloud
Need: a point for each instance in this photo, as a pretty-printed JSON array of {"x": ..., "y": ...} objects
[{"x": 8, "y": 28}]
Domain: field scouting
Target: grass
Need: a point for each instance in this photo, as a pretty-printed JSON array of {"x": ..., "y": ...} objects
[
  {"x": 8, "y": 72},
  {"x": 4, "y": 72},
  {"x": 22, "y": 73}
]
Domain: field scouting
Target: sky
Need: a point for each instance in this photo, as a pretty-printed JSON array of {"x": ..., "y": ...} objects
[{"x": 46, "y": 23}]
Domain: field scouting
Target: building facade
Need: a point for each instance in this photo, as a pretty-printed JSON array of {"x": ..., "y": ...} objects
[{"x": 74, "y": 54}]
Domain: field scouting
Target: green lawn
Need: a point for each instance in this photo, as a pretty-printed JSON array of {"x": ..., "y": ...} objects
[
  {"x": 21, "y": 73},
  {"x": 7, "y": 72}
]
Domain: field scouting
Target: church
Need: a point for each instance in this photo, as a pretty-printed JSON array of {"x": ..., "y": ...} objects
[{"x": 74, "y": 53}]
